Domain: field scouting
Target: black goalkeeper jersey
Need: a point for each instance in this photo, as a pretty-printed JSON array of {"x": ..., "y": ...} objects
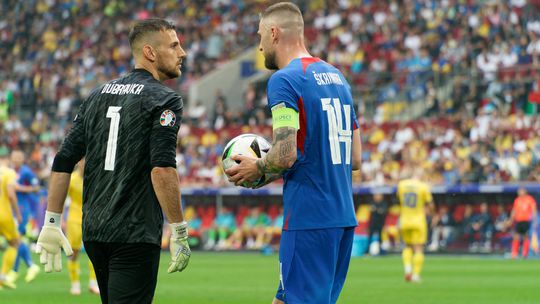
[{"x": 124, "y": 129}]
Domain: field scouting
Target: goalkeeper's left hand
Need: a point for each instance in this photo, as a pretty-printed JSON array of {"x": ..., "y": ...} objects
[
  {"x": 50, "y": 240},
  {"x": 179, "y": 247}
]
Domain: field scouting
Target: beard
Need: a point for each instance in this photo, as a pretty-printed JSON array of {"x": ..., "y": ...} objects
[
  {"x": 270, "y": 61},
  {"x": 169, "y": 72}
]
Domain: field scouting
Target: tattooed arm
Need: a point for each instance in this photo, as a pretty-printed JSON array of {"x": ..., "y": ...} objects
[
  {"x": 279, "y": 158},
  {"x": 282, "y": 155}
]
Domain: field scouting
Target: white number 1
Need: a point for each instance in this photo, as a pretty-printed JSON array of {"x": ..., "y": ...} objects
[
  {"x": 337, "y": 132},
  {"x": 110, "y": 157}
]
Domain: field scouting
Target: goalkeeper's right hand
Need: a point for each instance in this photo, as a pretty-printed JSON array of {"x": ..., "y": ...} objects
[
  {"x": 50, "y": 240},
  {"x": 179, "y": 247}
]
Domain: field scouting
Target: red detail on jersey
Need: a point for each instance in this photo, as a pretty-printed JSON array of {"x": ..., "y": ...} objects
[
  {"x": 301, "y": 135},
  {"x": 355, "y": 125},
  {"x": 307, "y": 61},
  {"x": 286, "y": 226}
]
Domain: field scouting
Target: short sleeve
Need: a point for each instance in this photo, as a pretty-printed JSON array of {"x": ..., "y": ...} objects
[
  {"x": 281, "y": 91},
  {"x": 165, "y": 124}
]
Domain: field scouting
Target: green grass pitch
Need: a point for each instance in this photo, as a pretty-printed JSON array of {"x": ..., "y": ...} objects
[{"x": 252, "y": 278}]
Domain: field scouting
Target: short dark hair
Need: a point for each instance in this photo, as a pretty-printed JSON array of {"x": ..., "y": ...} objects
[
  {"x": 287, "y": 15},
  {"x": 147, "y": 26},
  {"x": 280, "y": 7}
]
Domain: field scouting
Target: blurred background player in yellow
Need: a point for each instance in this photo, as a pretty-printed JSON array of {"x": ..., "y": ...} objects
[
  {"x": 416, "y": 203},
  {"x": 8, "y": 227},
  {"x": 74, "y": 233},
  {"x": 26, "y": 188}
]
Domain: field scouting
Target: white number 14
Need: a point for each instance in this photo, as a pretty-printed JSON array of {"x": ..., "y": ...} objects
[{"x": 337, "y": 131}]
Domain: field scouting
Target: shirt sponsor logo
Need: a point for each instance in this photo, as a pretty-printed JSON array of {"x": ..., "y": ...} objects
[
  {"x": 122, "y": 89},
  {"x": 167, "y": 119}
]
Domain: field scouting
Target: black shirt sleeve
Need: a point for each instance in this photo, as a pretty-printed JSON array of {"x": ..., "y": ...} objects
[
  {"x": 165, "y": 125},
  {"x": 73, "y": 148}
]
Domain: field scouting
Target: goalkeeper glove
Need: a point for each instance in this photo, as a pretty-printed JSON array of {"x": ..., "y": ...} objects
[
  {"x": 180, "y": 252},
  {"x": 50, "y": 239}
]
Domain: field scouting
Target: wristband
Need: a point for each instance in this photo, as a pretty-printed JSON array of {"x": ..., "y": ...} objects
[
  {"x": 52, "y": 219},
  {"x": 179, "y": 230}
]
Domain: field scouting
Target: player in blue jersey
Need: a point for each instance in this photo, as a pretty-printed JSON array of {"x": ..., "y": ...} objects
[
  {"x": 26, "y": 187},
  {"x": 316, "y": 145}
]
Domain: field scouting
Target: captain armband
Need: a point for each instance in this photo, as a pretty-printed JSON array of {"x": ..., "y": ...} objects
[{"x": 284, "y": 117}]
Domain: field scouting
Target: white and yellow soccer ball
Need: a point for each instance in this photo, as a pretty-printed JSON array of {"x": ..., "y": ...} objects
[{"x": 245, "y": 144}]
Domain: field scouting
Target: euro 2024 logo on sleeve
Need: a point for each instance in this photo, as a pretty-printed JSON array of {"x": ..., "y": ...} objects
[{"x": 167, "y": 119}]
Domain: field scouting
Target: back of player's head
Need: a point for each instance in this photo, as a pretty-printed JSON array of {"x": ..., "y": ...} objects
[
  {"x": 142, "y": 31},
  {"x": 285, "y": 15}
]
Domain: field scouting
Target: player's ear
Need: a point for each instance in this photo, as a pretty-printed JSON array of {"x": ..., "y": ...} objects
[
  {"x": 274, "y": 33},
  {"x": 149, "y": 52}
]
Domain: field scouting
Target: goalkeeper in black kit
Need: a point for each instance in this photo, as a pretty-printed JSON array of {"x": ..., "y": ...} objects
[{"x": 127, "y": 131}]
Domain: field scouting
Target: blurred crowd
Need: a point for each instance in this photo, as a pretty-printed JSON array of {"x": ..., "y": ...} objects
[
  {"x": 54, "y": 52},
  {"x": 393, "y": 52},
  {"x": 454, "y": 149}
]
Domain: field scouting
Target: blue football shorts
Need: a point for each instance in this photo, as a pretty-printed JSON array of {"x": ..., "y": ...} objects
[{"x": 313, "y": 265}]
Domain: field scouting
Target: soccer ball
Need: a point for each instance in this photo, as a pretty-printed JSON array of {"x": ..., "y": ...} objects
[{"x": 245, "y": 144}]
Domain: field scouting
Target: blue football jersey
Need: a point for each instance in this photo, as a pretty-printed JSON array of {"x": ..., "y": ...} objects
[
  {"x": 26, "y": 177},
  {"x": 318, "y": 188}
]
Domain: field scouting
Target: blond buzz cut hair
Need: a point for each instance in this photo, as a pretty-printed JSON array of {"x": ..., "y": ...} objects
[{"x": 286, "y": 15}]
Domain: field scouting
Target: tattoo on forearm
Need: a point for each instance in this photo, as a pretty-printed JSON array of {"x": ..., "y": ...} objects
[
  {"x": 282, "y": 153},
  {"x": 285, "y": 149}
]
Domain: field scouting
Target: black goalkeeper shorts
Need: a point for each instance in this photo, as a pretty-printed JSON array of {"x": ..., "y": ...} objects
[
  {"x": 522, "y": 228},
  {"x": 126, "y": 272}
]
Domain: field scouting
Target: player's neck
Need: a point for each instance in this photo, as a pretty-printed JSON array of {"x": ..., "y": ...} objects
[
  {"x": 149, "y": 68},
  {"x": 289, "y": 53}
]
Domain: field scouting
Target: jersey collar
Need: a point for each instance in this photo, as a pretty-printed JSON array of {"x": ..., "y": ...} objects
[{"x": 142, "y": 71}]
